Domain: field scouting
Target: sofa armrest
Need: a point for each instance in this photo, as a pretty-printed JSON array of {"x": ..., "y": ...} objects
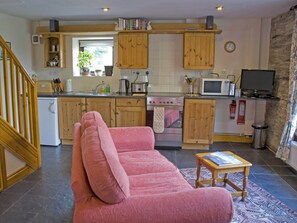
[
  {"x": 207, "y": 205},
  {"x": 133, "y": 138}
]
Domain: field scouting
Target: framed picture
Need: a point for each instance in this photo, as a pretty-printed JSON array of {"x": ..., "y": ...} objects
[{"x": 1, "y": 53}]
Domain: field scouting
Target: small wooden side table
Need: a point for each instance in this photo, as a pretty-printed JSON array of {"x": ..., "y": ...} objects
[{"x": 224, "y": 169}]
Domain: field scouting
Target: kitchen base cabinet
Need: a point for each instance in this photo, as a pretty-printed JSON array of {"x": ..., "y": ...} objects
[
  {"x": 130, "y": 112},
  {"x": 71, "y": 110},
  {"x": 105, "y": 106},
  {"x": 198, "y": 123}
]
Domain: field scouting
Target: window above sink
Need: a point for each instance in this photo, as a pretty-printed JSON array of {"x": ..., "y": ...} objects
[{"x": 101, "y": 49}]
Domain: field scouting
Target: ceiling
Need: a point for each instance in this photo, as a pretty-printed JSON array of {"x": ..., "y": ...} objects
[{"x": 74, "y": 10}]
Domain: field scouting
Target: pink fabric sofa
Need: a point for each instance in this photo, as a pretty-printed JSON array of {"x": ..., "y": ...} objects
[{"x": 118, "y": 177}]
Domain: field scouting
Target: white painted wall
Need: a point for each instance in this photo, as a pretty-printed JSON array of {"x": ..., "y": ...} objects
[
  {"x": 12, "y": 163},
  {"x": 17, "y": 31}
]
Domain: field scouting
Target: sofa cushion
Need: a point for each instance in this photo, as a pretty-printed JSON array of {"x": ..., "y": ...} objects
[
  {"x": 143, "y": 162},
  {"x": 93, "y": 118},
  {"x": 158, "y": 183},
  {"x": 106, "y": 175}
]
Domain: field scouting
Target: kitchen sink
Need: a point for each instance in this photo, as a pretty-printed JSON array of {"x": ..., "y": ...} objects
[{"x": 80, "y": 93}]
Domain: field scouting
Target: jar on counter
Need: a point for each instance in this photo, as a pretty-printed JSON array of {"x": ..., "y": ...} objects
[{"x": 68, "y": 85}]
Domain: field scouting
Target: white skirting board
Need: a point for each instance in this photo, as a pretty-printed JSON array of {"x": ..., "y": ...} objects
[{"x": 292, "y": 161}]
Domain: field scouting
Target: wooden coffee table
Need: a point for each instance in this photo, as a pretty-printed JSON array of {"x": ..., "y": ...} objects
[{"x": 225, "y": 169}]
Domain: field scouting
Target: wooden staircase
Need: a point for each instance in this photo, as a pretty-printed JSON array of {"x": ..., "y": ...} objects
[{"x": 19, "y": 129}]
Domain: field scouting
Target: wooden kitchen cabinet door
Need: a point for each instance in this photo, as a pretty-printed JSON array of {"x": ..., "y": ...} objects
[
  {"x": 199, "y": 50},
  {"x": 105, "y": 106},
  {"x": 71, "y": 109},
  {"x": 130, "y": 116},
  {"x": 130, "y": 112},
  {"x": 198, "y": 121},
  {"x": 133, "y": 50}
]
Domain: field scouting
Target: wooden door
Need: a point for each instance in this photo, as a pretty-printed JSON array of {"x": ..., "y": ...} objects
[
  {"x": 71, "y": 109},
  {"x": 105, "y": 106},
  {"x": 198, "y": 121},
  {"x": 199, "y": 50},
  {"x": 133, "y": 50},
  {"x": 130, "y": 116}
]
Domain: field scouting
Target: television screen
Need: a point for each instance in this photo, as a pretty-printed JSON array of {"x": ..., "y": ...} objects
[{"x": 257, "y": 82}]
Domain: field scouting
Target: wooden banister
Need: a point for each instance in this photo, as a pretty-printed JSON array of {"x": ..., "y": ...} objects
[{"x": 18, "y": 116}]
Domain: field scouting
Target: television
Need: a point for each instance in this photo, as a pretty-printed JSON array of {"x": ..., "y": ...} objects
[{"x": 257, "y": 83}]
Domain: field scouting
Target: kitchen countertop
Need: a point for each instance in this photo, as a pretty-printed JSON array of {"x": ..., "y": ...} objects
[{"x": 149, "y": 94}]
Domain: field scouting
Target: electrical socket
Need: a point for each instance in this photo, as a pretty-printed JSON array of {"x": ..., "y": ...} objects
[
  {"x": 148, "y": 72},
  {"x": 135, "y": 72}
]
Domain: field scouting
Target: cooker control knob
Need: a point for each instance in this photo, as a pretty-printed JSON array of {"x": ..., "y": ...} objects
[{"x": 171, "y": 102}]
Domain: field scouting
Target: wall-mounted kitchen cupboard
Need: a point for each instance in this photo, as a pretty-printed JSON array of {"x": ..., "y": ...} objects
[
  {"x": 54, "y": 52},
  {"x": 199, "y": 50},
  {"x": 199, "y": 117},
  {"x": 133, "y": 50}
]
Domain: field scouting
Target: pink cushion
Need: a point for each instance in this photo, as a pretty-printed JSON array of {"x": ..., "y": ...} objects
[
  {"x": 144, "y": 162},
  {"x": 158, "y": 183},
  {"x": 93, "y": 118},
  {"x": 106, "y": 175}
]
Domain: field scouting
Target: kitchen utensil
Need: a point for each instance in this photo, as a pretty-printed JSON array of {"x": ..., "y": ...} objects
[{"x": 124, "y": 86}]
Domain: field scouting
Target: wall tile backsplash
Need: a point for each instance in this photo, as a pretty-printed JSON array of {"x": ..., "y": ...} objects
[{"x": 165, "y": 65}]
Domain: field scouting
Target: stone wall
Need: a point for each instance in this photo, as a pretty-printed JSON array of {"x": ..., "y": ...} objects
[{"x": 281, "y": 42}]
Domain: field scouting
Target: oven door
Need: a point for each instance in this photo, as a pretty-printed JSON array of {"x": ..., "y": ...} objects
[{"x": 172, "y": 134}]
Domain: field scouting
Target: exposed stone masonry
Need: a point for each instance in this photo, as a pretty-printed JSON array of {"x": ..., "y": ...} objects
[{"x": 281, "y": 60}]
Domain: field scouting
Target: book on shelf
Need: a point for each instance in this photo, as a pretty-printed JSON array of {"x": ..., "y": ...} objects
[
  {"x": 132, "y": 24},
  {"x": 221, "y": 158}
]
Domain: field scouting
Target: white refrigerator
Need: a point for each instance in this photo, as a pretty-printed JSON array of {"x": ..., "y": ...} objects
[{"x": 48, "y": 121}]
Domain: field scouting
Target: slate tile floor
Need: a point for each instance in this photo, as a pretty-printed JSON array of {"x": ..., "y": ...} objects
[{"x": 45, "y": 196}]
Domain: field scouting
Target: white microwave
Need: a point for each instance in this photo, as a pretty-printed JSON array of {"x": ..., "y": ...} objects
[{"x": 213, "y": 86}]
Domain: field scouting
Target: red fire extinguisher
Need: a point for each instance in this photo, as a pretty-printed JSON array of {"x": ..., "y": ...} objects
[
  {"x": 232, "y": 107},
  {"x": 241, "y": 112}
]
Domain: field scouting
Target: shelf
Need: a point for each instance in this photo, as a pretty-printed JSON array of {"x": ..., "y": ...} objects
[{"x": 157, "y": 28}]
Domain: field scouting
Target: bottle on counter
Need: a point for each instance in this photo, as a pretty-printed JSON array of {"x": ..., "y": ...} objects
[
  {"x": 102, "y": 88},
  {"x": 107, "y": 88}
]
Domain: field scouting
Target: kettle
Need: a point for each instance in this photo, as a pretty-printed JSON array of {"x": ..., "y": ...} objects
[{"x": 124, "y": 86}]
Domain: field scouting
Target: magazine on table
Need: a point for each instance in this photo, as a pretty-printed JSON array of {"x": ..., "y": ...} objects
[{"x": 221, "y": 158}]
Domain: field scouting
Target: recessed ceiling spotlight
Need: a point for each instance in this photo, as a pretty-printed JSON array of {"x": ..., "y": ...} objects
[
  {"x": 219, "y": 8},
  {"x": 106, "y": 9}
]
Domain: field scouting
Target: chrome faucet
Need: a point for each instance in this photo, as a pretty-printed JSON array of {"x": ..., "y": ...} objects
[{"x": 95, "y": 91}]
